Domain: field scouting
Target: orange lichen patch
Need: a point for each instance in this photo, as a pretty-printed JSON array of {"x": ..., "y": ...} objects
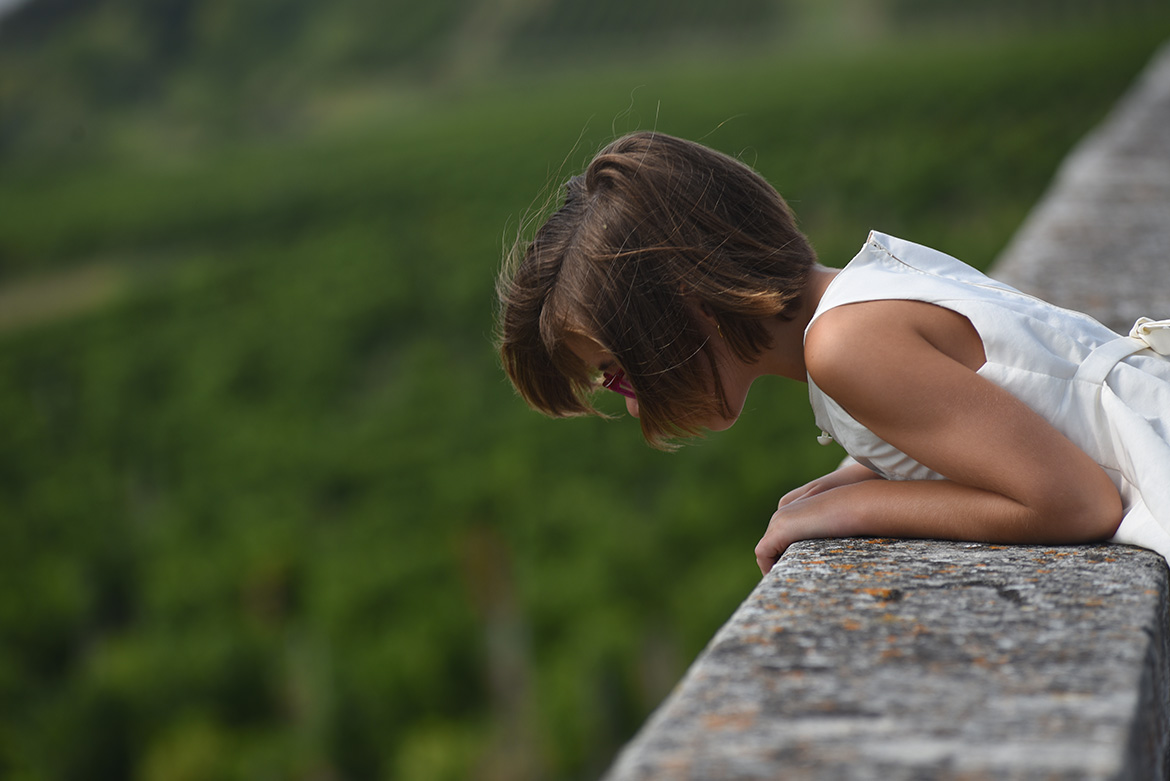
[
  {"x": 729, "y": 721},
  {"x": 850, "y": 625},
  {"x": 1094, "y": 602},
  {"x": 841, "y": 565},
  {"x": 884, "y": 594},
  {"x": 1043, "y": 571}
]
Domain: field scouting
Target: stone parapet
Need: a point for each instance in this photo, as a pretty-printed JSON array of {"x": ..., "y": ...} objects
[{"x": 910, "y": 659}]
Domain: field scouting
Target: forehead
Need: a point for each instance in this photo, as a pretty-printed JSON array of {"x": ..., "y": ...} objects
[{"x": 588, "y": 351}]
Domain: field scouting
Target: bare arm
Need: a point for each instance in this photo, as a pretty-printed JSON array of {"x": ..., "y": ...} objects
[
  {"x": 846, "y": 474},
  {"x": 903, "y": 370}
]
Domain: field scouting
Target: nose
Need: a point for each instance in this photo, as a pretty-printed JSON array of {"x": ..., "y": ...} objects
[{"x": 632, "y": 406}]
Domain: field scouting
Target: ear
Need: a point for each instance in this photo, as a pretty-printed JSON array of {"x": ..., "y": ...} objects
[{"x": 705, "y": 311}]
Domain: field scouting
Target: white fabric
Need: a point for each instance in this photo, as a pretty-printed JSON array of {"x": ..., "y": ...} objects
[
  {"x": 1155, "y": 334},
  {"x": 1107, "y": 393}
]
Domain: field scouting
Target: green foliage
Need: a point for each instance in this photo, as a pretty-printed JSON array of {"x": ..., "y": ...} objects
[
  {"x": 206, "y": 66},
  {"x": 274, "y": 513},
  {"x": 584, "y": 26}
]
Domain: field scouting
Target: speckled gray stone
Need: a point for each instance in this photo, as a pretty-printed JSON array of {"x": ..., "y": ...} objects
[{"x": 884, "y": 659}]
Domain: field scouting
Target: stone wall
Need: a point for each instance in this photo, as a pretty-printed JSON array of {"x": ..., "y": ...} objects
[
  {"x": 884, "y": 659},
  {"x": 908, "y": 659}
]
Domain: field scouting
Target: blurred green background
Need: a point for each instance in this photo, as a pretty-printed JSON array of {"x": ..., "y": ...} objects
[{"x": 268, "y": 508}]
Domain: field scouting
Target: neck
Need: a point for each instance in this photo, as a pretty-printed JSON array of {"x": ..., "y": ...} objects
[{"x": 786, "y": 356}]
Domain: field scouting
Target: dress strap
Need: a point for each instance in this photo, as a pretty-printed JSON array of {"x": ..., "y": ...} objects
[
  {"x": 1146, "y": 334},
  {"x": 1097, "y": 365}
]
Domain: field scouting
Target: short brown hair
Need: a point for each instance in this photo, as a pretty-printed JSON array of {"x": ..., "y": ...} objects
[{"x": 655, "y": 227}]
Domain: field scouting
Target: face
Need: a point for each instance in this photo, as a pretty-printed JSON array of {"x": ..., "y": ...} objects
[
  {"x": 736, "y": 376},
  {"x": 593, "y": 354}
]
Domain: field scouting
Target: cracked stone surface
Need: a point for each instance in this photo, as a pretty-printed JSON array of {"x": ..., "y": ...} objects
[{"x": 911, "y": 659}]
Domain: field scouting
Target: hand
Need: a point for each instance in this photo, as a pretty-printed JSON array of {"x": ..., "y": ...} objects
[
  {"x": 815, "y": 513},
  {"x": 796, "y": 516},
  {"x": 852, "y": 472}
]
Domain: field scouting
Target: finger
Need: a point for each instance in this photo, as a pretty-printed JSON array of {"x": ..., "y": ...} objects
[
  {"x": 801, "y": 493},
  {"x": 766, "y": 556},
  {"x": 765, "y": 564},
  {"x": 788, "y": 498},
  {"x": 793, "y": 495}
]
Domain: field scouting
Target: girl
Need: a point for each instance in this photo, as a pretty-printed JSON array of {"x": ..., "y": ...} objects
[{"x": 675, "y": 276}]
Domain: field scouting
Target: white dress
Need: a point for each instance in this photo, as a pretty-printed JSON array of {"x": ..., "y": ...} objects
[{"x": 1107, "y": 393}]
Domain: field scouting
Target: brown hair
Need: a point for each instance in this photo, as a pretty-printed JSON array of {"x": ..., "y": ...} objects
[{"x": 655, "y": 228}]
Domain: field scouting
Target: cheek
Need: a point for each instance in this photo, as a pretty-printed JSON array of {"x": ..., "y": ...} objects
[{"x": 721, "y": 424}]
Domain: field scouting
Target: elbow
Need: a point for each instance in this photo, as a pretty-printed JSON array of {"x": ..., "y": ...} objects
[
  {"x": 1108, "y": 516},
  {"x": 1089, "y": 515}
]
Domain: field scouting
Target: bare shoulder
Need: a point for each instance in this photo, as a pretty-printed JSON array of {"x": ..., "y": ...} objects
[{"x": 888, "y": 334}]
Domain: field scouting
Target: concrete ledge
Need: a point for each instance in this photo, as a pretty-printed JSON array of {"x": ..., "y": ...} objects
[{"x": 883, "y": 659}]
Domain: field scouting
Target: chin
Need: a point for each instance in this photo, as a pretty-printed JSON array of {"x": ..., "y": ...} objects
[{"x": 722, "y": 424}]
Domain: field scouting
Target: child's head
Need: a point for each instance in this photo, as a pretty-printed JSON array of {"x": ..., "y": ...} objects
[{"x": 659, "y": 238}]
